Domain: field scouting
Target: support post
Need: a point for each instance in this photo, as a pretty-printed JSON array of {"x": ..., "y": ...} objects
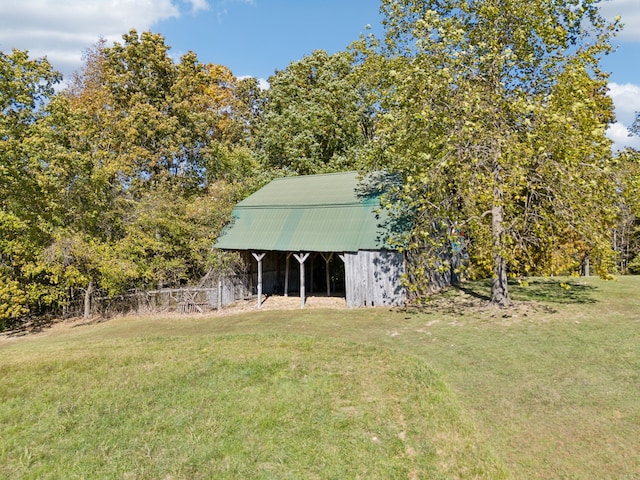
[
  {"x": 311, "y": 275},
  {"x": 586, "y": 266},
  {"x": 327, "y": 259},
  {"x": 348, "y": 288},
  {"x": 259, "y": 257},
  {"x": 286, "y": 275},
  {"x": 302, "y": 257},
  {"x": 219, "y": 293}
]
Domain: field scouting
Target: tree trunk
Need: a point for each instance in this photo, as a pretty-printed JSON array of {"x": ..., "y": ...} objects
[
  {"x": 499, "y": 286},
  {"x": 87, "y": 299}
]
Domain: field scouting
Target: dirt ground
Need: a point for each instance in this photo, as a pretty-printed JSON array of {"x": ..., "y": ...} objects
[{"x": 278, "y": 302}]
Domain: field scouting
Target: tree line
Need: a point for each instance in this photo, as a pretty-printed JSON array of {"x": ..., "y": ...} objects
[{"x": 490, "y": 113}]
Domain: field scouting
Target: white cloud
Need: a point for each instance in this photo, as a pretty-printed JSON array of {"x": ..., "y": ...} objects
[
  {"x": 262, "y": 83},
  {"x": 629, "y": 11},
  {"x": 197, "y": 5},
  {"x": 63, "y": 29},
  {"x": 619, "y": 134},
  {"x": 626, "y": 98}
]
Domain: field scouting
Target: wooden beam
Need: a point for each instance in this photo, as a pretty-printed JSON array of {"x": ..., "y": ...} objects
[
  {"x": 286, "y": 275},
  {"x": 311, "y": 275},
  {"x": 259, "y": 257},
  {"x": 302, "y": 257},
  {"x": 327, "y": 259}
]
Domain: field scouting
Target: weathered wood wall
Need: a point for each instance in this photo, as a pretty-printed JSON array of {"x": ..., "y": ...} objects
[{"x": 373, "y": 278}]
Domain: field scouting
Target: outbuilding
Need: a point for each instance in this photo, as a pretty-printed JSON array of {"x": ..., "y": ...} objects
[{"x": 322, "y": 234}]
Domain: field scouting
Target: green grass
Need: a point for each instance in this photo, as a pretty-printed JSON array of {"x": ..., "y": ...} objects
[
  {"x": 241, "y": 406},
  {"x": 550, "y": 389}
]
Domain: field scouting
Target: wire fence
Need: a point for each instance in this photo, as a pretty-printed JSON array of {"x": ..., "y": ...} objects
[{"x": 228, "y": 290}]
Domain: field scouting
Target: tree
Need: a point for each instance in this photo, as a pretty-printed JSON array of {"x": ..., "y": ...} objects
[
  {"x": 494, "y": 112},
  {"x": 627, "y": 233},
  {"x": 117, "y": 160},
  {"x": 312, "y": 119},
  {"x": 26, "y": 85},
  {"x": 123, "y": 179}
]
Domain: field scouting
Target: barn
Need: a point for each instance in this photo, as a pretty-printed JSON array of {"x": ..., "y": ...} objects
[{"x": 318, "y": 234}]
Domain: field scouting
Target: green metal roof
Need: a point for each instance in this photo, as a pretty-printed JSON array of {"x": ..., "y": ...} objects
[{"x": 313, "y": 213}]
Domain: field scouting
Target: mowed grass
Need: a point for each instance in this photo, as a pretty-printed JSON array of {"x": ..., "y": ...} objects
[
  {"x": 243, "y": 406},
  {"x": 550, "y": 389}
]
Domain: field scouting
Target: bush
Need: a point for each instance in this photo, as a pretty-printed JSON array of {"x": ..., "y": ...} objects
[{"x": 634, "y": 265}]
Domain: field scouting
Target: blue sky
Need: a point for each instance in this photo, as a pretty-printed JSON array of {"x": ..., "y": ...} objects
[{"x": 257, "y": 37}]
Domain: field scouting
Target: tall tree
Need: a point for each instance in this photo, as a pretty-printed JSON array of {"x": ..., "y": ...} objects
[
  {"x": 312, "y": 119},
  {"x": 494, "y": 112},
  {"x": 26, "y": 84},
  {"x": 121, "y": 156},
  {"x": 627, "y": 233}
]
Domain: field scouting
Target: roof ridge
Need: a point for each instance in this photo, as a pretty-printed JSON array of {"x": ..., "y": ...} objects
[
  {"x": 289, "y": 177},
  {"x": 306, "y": 205}
]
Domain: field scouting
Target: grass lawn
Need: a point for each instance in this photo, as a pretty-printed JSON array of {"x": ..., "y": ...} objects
[{"x": 550, "y": 389}]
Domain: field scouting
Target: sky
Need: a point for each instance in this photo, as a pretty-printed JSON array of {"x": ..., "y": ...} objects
[{"x": 257, "y": 37}]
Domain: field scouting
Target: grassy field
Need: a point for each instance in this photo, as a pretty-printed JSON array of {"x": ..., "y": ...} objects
[{"x": 550, "y": 389}]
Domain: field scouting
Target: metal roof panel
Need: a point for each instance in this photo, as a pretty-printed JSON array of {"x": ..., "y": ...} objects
[{"x": 321, "y": 213}]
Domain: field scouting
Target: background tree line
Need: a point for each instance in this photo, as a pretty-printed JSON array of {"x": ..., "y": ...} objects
[{"x": 491, "y": 113}]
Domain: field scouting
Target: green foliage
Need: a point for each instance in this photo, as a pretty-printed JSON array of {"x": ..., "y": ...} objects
[
  {"x": 492, "y": 114},
  {"x": 26, "y": 85},
  {"x": 313, "y": 116},
  {"x": 634, "y": 265},
  {"x": 495, "y": 113},
  {"x": 627, "y": 232},
  {"x": 124, "y": 179},
  {"x": 13, "y": 301},
  {"x": 164, "y": 116}
]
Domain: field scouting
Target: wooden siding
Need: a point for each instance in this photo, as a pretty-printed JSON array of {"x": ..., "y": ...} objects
[{"x": 373, "y": 278}]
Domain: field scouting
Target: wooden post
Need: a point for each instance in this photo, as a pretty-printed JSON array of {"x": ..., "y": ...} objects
[
  {"x": 286, "y": 275},
  {"x": 311, "y": 275},
  {"x": 586, "y": 266},
  {"x": 348, "y": 289},
  {"x": 219, "y": 293},
  {"x": 259, "y": 257},
  {"x": 327, "y": 259},
  {"x": 301, "y": 259}
]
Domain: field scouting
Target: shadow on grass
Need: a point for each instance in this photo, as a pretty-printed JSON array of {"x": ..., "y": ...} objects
[
  {"x": 550, "y": 290},
  {"x": 39, "y": 324},
  {"x": 17, "y": 328}
]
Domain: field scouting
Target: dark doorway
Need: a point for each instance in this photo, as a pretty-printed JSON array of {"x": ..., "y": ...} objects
[{"x": 316, "y": 269}]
